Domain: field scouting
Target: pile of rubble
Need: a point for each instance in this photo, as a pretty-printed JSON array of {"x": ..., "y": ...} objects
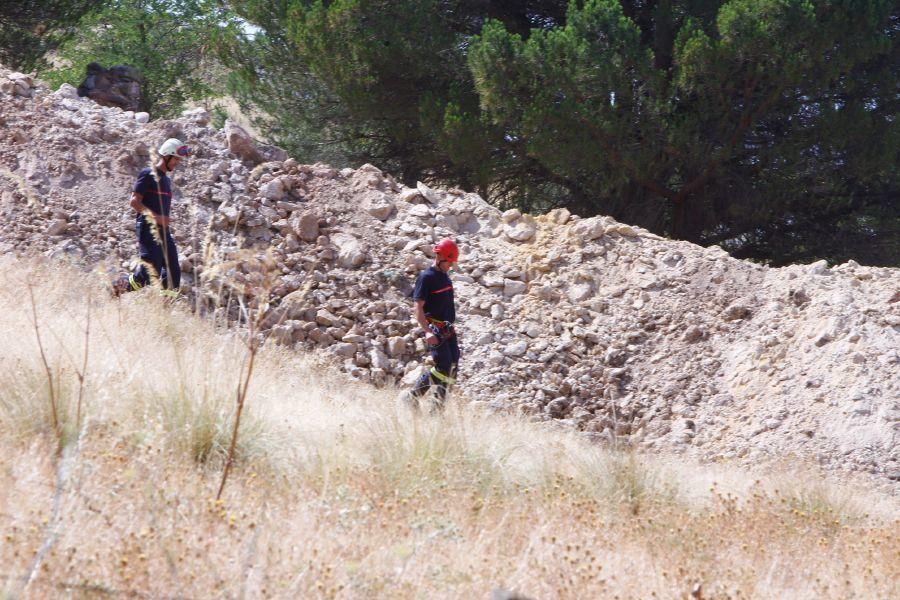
[{"x": 590, "y": 323}]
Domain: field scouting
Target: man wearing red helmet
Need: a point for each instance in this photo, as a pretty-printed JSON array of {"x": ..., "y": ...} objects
[{"x": 435, "y": 312}]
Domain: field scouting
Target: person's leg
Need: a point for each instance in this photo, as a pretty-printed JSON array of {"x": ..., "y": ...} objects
[
  {"x": 427, "y": 378},
  {"x": 444, "y": 370},
  {"x": 151, "y": 253},
  {"x": 423, "y": 383},
  {"x": 170, "y": 274},
  {"x": 454, "y": 354}
]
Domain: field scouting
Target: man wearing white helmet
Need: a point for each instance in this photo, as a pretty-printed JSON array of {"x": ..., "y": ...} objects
[{"x": 151, "y": 198}]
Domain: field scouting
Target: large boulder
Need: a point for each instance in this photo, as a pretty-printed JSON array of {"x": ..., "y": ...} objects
[
  {"x": 120, "y": 86},
  {"x": 241, "y": 144}
]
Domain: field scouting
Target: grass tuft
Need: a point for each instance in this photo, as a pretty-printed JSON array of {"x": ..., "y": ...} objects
[{"x": 337, "y": 491}]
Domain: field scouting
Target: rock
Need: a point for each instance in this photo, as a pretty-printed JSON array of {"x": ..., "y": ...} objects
[
  {"x": 241, "y": 144},
  {"x": 378, "y": 204},
  {"x": 823, "y": 338},
  {"x": 623, "y": 230},
  {"x": 345, "y": 350},
  {"x": 379, "y": 359},
  {"x": 350, "y": 251},
  {"x": 273, "y": 190},
  {"x": 118, "y": 86},
  {"x": 504, "y": 594},
  {"x": 579, "y": 292},
  {"x": 396, "y": 346},
  {"x": 557, "y": 407},
  {"x": 497, "y": 312},
  {"x": 321, "y": 338},
  {"x": 305, "y": 226},
  {"x": 420, "y": 211},
  {"x": 830, "y": 330},
  {"x": 735, "y": 312},
  {"x": 198, "y": 115},
  {"x": 323, "y": 317},
  {"x": 142, "y": 117},
  {"x": 272, "y": 153},
  {"x": 57, "y": 227},
  {"x": 447, "y": 222},
  {"x": 641, "y": 327},
  {"x": 229, "y": 211},
  {"x": 283, "y": 334},
  {"x": 411, "y": 376},
  {"x": 410, "y": 195},
  {"x": 798, "y": 297},
  {"x": 429, "y": 194},
  {"x": 66, "y": 91},
  {"x": 523, "y": 230},
  {"x": 532, "y": 329},
  {"x": 693, "y": 334},
  {"x": 819, "y": 267},
  {"x": 513, "y": 287},
  {"x": 590, "y": 229},
  {"x": 559, "y": 216},
  {"x": 517, "y": 348},
  {"x": 511, "y": 215}
]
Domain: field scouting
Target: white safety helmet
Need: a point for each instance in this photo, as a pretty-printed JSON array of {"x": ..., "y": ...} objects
[{"x": 174, "y": 147}]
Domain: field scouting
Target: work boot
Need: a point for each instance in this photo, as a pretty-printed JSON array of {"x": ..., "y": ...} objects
[{"x": 120, "y": 285}]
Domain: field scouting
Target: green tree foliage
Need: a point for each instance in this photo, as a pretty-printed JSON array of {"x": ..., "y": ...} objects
[
  {"x": 356, "y": 81},
  {"x": 766, "y": 126},
  {"x": 29, "y": 29},
  {"x": 167, "y": 41}
]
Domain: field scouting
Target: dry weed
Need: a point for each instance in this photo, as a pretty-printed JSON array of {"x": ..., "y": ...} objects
[{"x": 341, "y": 493}]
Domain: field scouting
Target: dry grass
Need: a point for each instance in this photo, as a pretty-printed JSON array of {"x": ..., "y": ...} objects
[{"x": 338, "y": 492}]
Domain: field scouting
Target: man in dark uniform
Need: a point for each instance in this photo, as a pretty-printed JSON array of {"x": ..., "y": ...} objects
[
  {"x": 151, "y": 198},
  {"x": 435, "y": 312}
]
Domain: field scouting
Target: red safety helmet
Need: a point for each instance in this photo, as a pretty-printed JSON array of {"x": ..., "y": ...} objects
[{"x": 446, "y": 250}]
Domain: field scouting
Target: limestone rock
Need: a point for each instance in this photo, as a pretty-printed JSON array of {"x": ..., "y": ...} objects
[
  {"x": 378, "y": 204},
  {"x": 305, "y": 226},
  {"x": 396, "y": 346},
  {"x": 517, "y": 348},
  {"x": 350, "y": 251},
  {"x": 379, "y": 359},
  {"x": 410, "y": 195},
  {"x": 589, "y": 229},
  {"x": 523, "y": 230},
  {"x": 58, "y": 227},
  {"x": 273, "y": 190},
  {"x": 432, "y": 196},
  {"x": 66, "y": 91},
  {"x": 512, "y": 287}
]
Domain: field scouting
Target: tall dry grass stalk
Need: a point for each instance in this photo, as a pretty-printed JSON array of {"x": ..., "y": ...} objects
[
  {"x": 51, "y": 390},
  {"x": 254, "y": 309},
  {"x": 335, "y": 491}
]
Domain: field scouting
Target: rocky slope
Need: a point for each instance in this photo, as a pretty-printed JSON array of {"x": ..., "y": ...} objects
[{"x": 590, "y": 323}]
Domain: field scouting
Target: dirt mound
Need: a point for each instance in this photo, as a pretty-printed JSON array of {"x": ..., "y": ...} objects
[{"x": 591, "y": 323}]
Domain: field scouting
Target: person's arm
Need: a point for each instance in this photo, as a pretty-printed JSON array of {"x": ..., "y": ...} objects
[
  {"x": 137, "y": 203},
  {"x": 422, "y": 320}
]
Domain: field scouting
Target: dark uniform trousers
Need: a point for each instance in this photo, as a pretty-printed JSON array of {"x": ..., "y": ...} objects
[
  {"x": 443, "y": 374},
  {"x": 154, "y": 253}
]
